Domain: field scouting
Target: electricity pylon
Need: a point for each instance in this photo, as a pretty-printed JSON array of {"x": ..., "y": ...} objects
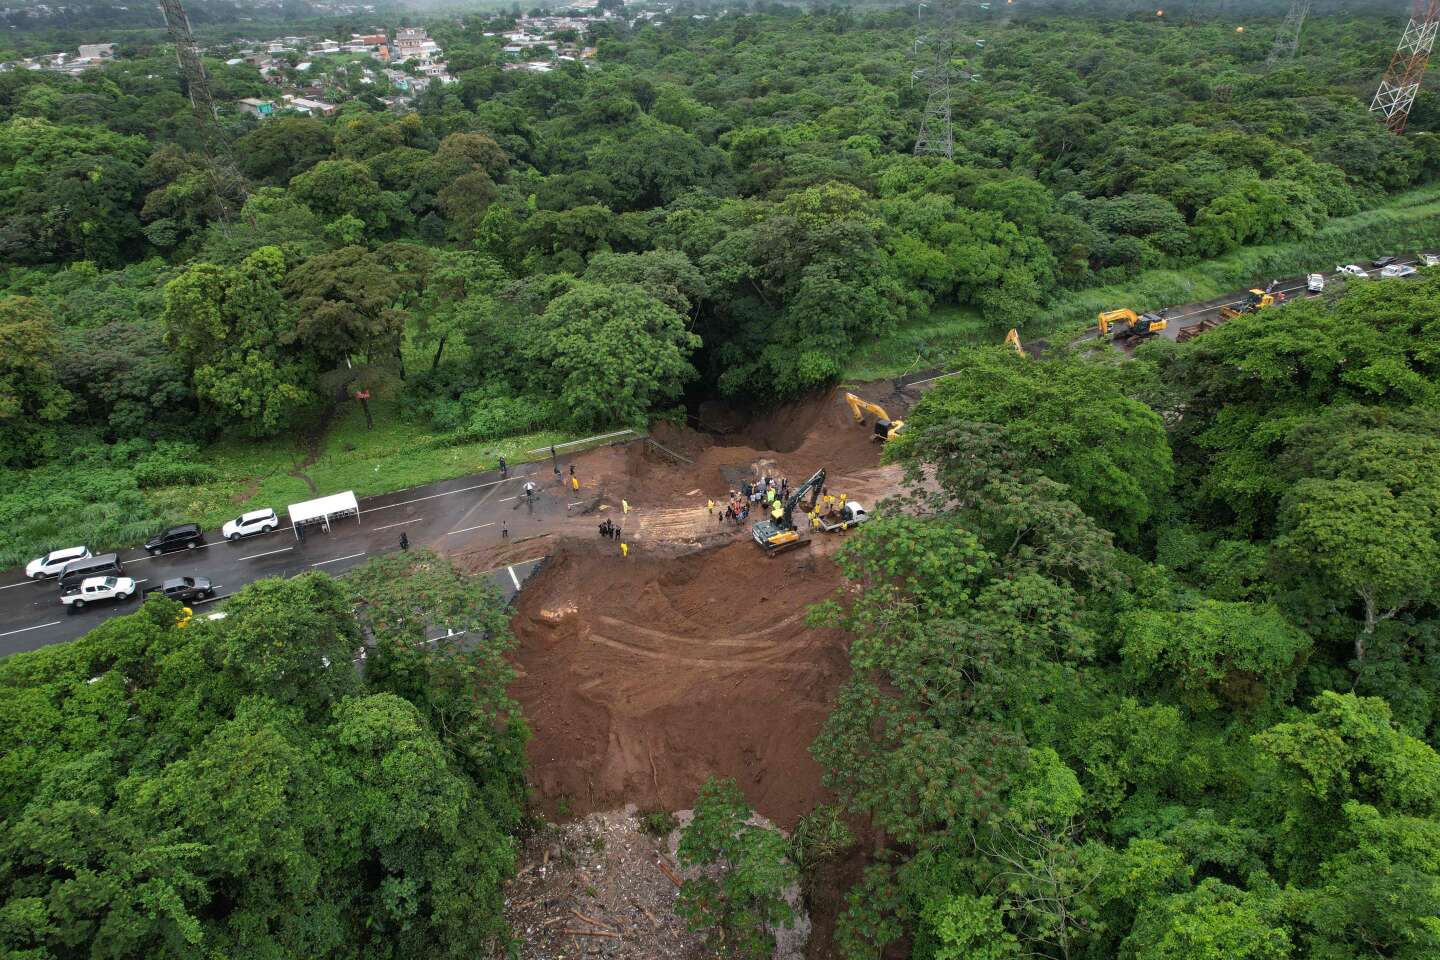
[
  {"x": 1287, "y": 41},
  {"x": 192, "y": 68},
  {"x": 224, "y": 175},
  {"x": 939, "y": 43},
  {"x": 1401, "y": 82}
]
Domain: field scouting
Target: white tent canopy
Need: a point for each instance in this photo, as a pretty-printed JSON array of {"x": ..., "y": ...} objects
[{"x": 324, "y": 510}]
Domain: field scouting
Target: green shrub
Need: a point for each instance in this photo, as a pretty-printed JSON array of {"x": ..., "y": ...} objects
[
  {"x": 821, "y": 835},
  {"x": 658, "y": 823}
]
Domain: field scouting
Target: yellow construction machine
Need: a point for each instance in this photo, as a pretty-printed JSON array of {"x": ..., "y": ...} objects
[
  {"x": 1128, "y": 325},
  {"x": 885, "y": 428},
  {"x": 1012, "y": 339},
  {"x": 1257, "y": 300}
]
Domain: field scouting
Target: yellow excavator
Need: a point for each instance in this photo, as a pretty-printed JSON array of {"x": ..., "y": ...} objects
[
  {"x": 885, "y": 428},
  {"x": 1128, "y": 325},
  {"x": 1012, "y": 339}
]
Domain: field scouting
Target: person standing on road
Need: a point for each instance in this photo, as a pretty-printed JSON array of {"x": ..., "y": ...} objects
[
  {"x": 504, "y": 470},
  {"x": 300, "y": 532},
  {"x": 504, "y": 530},
  {"x": 404, "y": 541}
]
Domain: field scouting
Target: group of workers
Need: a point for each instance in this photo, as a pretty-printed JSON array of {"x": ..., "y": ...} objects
[
  {"x": 609, "y": 530},
  {"x": 737, "y": 511}
]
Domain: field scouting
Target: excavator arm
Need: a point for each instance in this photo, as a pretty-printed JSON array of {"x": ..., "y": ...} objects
[{"x": 885, "y": 428}]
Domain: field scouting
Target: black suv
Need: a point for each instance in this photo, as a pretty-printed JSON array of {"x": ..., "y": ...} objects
[
  {"x": 184, "y": 589},
  {"x": 1384, "y": 261},
  {"x": 176, "y": 538}
]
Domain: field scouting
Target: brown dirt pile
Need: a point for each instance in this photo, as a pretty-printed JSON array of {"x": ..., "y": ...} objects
[{"x": 641, "y": 677}]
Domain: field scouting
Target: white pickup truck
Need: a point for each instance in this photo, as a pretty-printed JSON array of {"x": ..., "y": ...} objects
[
  {"x": 95, "y": 589},
  {"x": 850, "y": 515}
]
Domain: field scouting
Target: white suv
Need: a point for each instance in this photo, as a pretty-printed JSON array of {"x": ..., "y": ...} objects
[
  {"x": 98, "y": 588},
  {"x": 51, "y": 564},
  {"x": 1315, "y": 283},
  {"x": 256, "y": 521}
]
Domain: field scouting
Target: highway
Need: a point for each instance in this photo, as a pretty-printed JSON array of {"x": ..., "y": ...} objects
[{"x": 448, "y": 517}]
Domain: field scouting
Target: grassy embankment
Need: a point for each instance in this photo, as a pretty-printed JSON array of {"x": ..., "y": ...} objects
[
  {"x": 395, "y": 455},
  {"x": 1406, "y": 223}
]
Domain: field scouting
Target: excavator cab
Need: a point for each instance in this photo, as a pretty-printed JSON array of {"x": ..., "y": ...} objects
[
  {"x": 1128, "y": 325},
  {"x": 885, "y": 428},
  {"x": 1259, "y": 300}
]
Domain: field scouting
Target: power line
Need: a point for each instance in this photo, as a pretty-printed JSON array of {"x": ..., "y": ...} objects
[{"x": 1401, "y": 83}]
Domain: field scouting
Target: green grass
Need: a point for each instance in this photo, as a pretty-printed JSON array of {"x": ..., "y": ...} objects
[
  {"x": 397, "y": 454},
  {"x": 920, "y": 345},
  {"x": 1406, "y": 222}
]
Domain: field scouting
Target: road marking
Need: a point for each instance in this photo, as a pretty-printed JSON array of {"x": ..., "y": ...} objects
[
  {"x": 432, "y": 496},
  {"x": 23, "y": 583},
  {"x": 513, "y": 579},
  {"x": 36, "y": 627},
  {"x": 575, "y": 504},
  {"x": 468, "y": 529},
  {"x": 338, "y": 559},
  {"x": 400, "y": 524},
  {"x": 257, "y": 556}
]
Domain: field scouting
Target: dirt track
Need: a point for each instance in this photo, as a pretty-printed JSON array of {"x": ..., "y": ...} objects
[{"x": 643, "y": 675}]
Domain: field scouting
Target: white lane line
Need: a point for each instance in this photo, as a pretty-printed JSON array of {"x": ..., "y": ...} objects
[
  {"x": 447, "y": 493},
  {"x": 468, "y": 529},
  {"x": 23, "y": 583},
  {"x": 257, "y": 556},
  {"x": 36, "y": 627},
  {"x": 575, "y": 504},
  {"x": 513, "y": 579},
  {"x": 400, "y": 524},
  {"x": 338, "y": 559}
]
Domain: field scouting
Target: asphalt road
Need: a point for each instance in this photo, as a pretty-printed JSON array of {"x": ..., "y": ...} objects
[{"x": 447, "y": 517}]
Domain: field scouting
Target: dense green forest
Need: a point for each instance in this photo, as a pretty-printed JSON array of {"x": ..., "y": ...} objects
[
  {"x": 237, "y": 787},
  {"x": 1146, "y": 666},
  {"x": 734, "y": 200},
  {"x": 1144, "y": 662}
]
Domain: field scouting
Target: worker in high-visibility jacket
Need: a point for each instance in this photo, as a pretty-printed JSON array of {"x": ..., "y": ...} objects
[{"x": 777, "y": 510}]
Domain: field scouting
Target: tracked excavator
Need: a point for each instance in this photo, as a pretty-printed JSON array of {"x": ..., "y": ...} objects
[
  {"x": 885, "y": 428},
  {"x": 1128, "y": 325},
  {"x": 778, "y": 534}
]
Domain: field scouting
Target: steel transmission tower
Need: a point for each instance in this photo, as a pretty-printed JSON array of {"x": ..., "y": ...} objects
[
  {"x": 1287, "y": 41},
  {"x": 192, "y": 68},
  {"x": 938, "y": 64},
  {"x": 1402, "y": 80},
  {"x": 224, "y": 176}
]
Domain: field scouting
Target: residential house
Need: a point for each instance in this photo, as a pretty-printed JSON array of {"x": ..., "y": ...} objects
[{"x": 257, "y": 108}]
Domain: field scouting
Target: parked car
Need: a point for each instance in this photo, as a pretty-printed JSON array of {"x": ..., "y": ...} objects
[
  {"x": 96, "y": 589},
  {"x": 256, "y": 521},
  {"x": 53, "y": 562},
  {"x": 1352, "y": 270},
  {"x": 184, "y": 589},
  {"x": 187, "y": 535},
  {"x": 1315, "y": 283},
  {"x": 1431, "y": 259},
  {"x": 1384, "y": 261},
  {"x": 1398, "y": 270},
  {"x": 78, "y": 571}
]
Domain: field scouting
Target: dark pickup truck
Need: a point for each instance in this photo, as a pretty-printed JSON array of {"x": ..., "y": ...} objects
[{"x": 183, "y": 589}]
